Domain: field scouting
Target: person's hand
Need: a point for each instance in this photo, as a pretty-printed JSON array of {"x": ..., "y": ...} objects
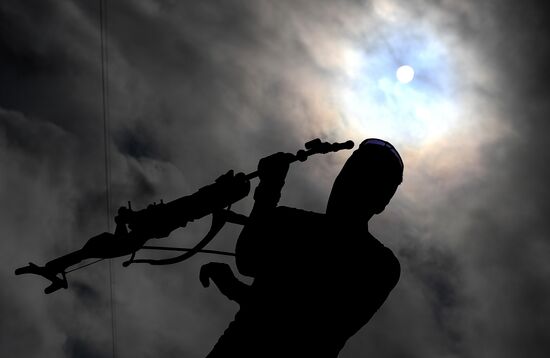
[
  {"x": 223, "y": 277},
  {"x": 274, "y": 168},
  {"x": 220, "y": 273}
]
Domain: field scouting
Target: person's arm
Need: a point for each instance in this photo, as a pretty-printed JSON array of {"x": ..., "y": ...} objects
[{"x": 250, "y": 246}]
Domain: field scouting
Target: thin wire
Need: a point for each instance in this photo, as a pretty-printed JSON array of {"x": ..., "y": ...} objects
[
  {"x": 86, "y": 265},
  {"x": 164, "y": 248},
  {"x": 107, "y": 150}
]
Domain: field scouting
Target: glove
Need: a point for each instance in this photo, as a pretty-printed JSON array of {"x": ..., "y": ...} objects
[
  {"x": 274, "y": 168},
  {"x": 272, "y": 171}
]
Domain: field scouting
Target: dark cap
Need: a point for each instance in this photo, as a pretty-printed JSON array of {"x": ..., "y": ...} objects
[{"x": 384, "y": 154}]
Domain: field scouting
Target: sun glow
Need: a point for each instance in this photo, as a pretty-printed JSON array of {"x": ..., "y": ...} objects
[{"x": 383, "y": 102}]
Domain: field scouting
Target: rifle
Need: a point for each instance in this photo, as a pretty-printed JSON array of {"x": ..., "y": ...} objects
[{"x": 135, "y": 228}]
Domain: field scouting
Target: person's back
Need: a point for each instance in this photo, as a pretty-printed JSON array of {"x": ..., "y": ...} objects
[{"x": 310, "y": 293}]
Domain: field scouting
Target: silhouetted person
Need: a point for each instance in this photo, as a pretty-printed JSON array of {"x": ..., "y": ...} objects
[{"x": 318, "y": 278}]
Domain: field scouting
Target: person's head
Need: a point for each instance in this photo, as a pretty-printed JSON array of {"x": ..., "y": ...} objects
[{"x": 367, "y": 182}]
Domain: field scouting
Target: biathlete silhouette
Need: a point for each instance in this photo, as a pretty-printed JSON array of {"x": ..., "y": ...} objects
[{"x": 318, "y": 278}]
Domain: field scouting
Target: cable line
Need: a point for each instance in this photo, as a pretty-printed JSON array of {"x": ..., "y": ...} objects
[{"x": 107, "y": 150}]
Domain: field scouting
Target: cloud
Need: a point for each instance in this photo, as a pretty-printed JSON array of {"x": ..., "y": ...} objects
[{"x": 196, "y": 89}]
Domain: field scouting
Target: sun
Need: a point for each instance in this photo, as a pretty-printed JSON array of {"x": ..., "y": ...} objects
[{"x": 405, "y": 74}]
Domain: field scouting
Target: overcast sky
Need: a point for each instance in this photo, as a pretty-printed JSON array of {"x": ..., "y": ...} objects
[{"x": 196, "y": 88}]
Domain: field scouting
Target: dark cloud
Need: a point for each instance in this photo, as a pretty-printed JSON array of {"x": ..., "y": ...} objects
[
  {"x": 197, "y": 88},
  {"x": 18, "y": 328},
  {"x": 75, "y": 347}
]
